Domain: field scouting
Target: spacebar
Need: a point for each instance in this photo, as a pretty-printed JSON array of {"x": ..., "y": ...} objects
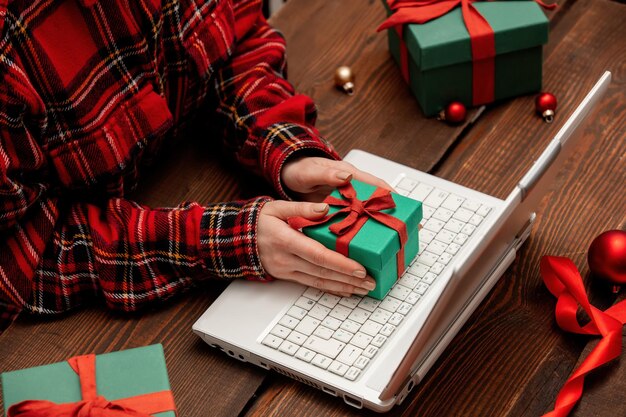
[{"x": 330, "y": 347}]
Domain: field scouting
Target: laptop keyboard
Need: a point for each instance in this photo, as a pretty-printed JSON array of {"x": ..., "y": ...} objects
[{"x": 343, "y": 334}]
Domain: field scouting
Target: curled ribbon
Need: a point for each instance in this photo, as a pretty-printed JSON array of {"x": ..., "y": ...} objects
[
  {"x": 358, "y": 213},
  {"x": 93, "y": 405},
  {"x": 482, "y": 38},
  {"x": 564, "y": 282}
]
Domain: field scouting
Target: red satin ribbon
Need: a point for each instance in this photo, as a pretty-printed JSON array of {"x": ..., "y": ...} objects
[
  {"x": 564, "y": 282},
  {"x": 359, "y": 212},
  {"x": 482, "y": 38},
  {"x": 93, "y": 405}
]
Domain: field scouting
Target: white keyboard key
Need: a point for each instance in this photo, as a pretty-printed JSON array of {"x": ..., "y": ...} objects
[
  {"x": 427, "y": 211},
  {"x": 371, "y": 328},
  {"x": 425, "y": 236},
  {"x": 421, "y": 288},
  {"x": 453, "y": 248},
  {"x": 338, "y": 368},
  {"x": 352, "y": 374},
  {"x": 380, "y": 316},
  {"x": 390, "y": 304},
  {"x": 342, "y": 335},
  {"x": 402, "y": 192},
  {"x": 379, "y": 340},
  {"x": 305, "y": 354},
  {"x": 395, "y": 319},
  {"x": 409, "y": 281},
  {"x": 361, "y": 362},
  {"x": 407, "y": 184},
  {"x": 421, "y": 192},
  {"x": 434, "y": 225},
  {"x": 444, "y": 258},
  {"x": 446, "y": 236},
  {"x": 319, "y": 312},
  {"x": 483, "y": 210},
  {"x": 307, "y": 325},
  {"x": 454, "y": 225},
  {"x": 370, "y": 351},
  {"x": 288, "y": 348},
  {"x": 405, "y": 308},
  {"x": 321, "y": 361},
  {"x": 453, "y": 202},
  {"x": 340, "y": 312},
  {"x": 330, "y": 347},
  {"x": 297, "y": 312},
  {"x": 418, "y": 269},
  {"x": 272, "y": 341},
  {"x": 437, "y": 247},
  {"x": 387, "y": 329},
  {"x": 460, "y": 239},
  {"x": 400, "y": 292},
  {"x": 289, "y": 322},
  {"x": 468, "y": 229},
  {"x": 437, "y": 268},
  {"x": 369, "y": 304},
  {"x": 297, "y": 338},
  {"x": 280, "y": 331},
  {"x": 350, "y": 326},
  {"x": 471, "y": 205},
  {"x": 331, "y": 323},
  {"x": 475, "y": 220},
  {"x": 305, "y": 303},
  {"x": 463, "y": 215},
  {"x": 429, "y": 278},
  {"x": 361, "y": 340},
  {"x": 442, "y": 214},
  {"x": 427, "y": 258},
  {"x": 412, "y": 298},
  {"x": 323, "y": 332},
  {"x": 421, "y": 248},
  {"x": 329, "y": 300},
  {"x": 350, "y": 302},
  {"x": 349, "y": 355},
  {"x": 359, "y": 315},
  {"x": 313, "y": 294},
  {"x": 435, "y": 198}
]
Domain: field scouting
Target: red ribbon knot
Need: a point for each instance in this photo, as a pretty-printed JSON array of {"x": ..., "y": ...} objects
[{"x": 358, "y": 213}]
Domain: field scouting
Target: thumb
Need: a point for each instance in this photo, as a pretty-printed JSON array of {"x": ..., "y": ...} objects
[{"x": 286, "y": 209}]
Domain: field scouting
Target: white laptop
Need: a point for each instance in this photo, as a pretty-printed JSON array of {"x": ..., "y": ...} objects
[{"x": 369, "y": 352}]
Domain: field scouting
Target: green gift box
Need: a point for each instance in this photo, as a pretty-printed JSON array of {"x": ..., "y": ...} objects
[
  {"x": 440, "y": 56},
  {"x": 119, "y": 375},
  {"x": 376, "y": 246}
]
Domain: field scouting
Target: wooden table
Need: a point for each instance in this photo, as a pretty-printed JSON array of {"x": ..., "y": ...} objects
[{"x": 510, "y": 359}]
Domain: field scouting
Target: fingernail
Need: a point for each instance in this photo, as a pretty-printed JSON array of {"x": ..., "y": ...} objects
[
  {"x": 344, "y": 176},
  {"x": 369, "y": 284},
  {"x": 320, "y": 208},
  {"x": 359, "y": 273},
  {"x": 361, "y": 291}
]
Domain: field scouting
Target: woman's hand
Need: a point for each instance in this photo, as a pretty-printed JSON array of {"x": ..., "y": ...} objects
[
  {"x": 288, "y": 254},
  {"x": 313, "y": 178}
]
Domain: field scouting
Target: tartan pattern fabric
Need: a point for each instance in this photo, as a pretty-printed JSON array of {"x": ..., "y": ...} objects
[{"x": 89, "y": 91}]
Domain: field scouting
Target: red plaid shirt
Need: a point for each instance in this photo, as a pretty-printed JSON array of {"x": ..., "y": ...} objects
[{"x": 88, "y": 90}]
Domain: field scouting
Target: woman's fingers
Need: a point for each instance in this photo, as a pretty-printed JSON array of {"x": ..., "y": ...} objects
[{"x": 321, "y": 272}]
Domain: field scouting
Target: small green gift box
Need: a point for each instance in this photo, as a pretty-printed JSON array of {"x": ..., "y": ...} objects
[
  {"x": 133, "y": 374},
  {"x": 440, "y": 62},
  {"x": 375, "y": 245}
]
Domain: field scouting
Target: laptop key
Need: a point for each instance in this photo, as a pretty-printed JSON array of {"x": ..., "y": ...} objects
[
  {"x": 380, "y": 316},
  {"x": 330, "y": 347},
  {"x": 369, "y": 304},
  {"x": 400, "y": 292},
  {"x": 405, "y": 308},
  {"x": 412, "y": 298},
  {"x": 437, "y": 247},
  {"x": 289, "y": 322},
  {"x": 418, "y": 269},
  {"x": 352, "y": 374},
  {"x": 361, "y": 340},
  {"x": 454, "y": 225},
  {"x": 280, "y": 331},
  {"x": 297, "y": 312},
  {"x": 463, "y": 214},
  {"x": 329, "y": 300},
  {"x": 323, "y": 332},
  {"x": 350, "y": 302},
  {"x": 340, "y": 312},
  {"x": 434, "y": 225},
  {"x": 407, "y": 184},
  {"x": 297, "y": 338},
  {"x": 429, "y": 278},
  {"x": 475, "y": 220},
  {"x": 272, "y": 341},
  {"x": 468, "y": 229},
  {"x": 483, "y": 210},
  {"x": 421, "y": 192},
  {"x": 453, "y": 248},
  {"x": 427, "y": 211},
  {"x": 427, "y": 258},
  {"x": 395, "y": 319},
  {"x": 390, "y": 304},
  {"x": 331, "y": 322},
  {"x": 305, "y": 303},
  {"x": 319, "y": 312},
  {"x": 321, "y": 361},
  {"x": 359, "y": 315},
  {"x": 444, "y": 258},
  {"x": 421, "y": 288},
  {"x": 361, "y": 362},
  {"x": 409, "y": 281},
  {"x": 350, "y": 326},
  {"x": 305, "y": 354},
  {"x": 435, "y": 199},
  {"x": 288, "y": 348},
  {"x": 443, "y": 214},
  {"x": 425, "y": 236},
  {"x": 349, "y": 355},
  {"x": 313, "y": 294},
  {"x": 371, "y": 328},
  {"x": 370, "y": 351},
  {"x": 379, "y": 340},
  {"x": 343, "y": 335},
  {"x": 437, "y": 268},
  {"x": 338, "y": 368},
  {"x": 453, "y": 202},
  {"x": 460, "y": 239},
  {"x": 307, "y": 325},
  {"x": 387, "y": 329},
  {"x": 446, "y": 236},
  {"x": 471, "y": 205}
]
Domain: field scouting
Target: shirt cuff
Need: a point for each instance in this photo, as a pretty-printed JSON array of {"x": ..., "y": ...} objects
[
  {"x": 228, "y": 240},
  {"x": 283, "y": 140}
]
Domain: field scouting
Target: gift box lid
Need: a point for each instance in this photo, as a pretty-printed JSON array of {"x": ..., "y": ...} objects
[
  {"x": 445, "y": 41},
  {"x": 121, "y": 374},
  {"x": 375, "y": 244}
]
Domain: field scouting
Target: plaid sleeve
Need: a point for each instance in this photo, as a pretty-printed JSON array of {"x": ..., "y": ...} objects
[{"x": 265, "y": 122}]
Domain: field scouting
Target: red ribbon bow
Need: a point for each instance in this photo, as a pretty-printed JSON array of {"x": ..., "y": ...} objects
[
  {"x": 359, "y": 212},
  {"x": 93, "y": 405},
  {"x": 482, "y": 38},
  {"x": 564, "y": 282}
]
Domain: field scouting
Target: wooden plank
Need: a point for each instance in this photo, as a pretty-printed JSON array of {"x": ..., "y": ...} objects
[{"x": 510, "y": 359}]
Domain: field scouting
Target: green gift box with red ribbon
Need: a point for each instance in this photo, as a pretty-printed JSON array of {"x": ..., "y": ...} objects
[
  {"x": 131, "y": 382},
  {"x": 373, "y": 226},
  {"x": 466, "y": 51}
]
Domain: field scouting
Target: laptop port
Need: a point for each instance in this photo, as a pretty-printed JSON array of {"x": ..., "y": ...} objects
[
  {"x": 329, "y": 391},
  {"x": 353, "y": 401}
]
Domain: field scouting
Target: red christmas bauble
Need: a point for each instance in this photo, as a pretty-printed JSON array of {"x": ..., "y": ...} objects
[
  {"x": 545, "y": 103},
  {"x": 607, "y": 256},
  {"x": 455, "y": 112}
]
